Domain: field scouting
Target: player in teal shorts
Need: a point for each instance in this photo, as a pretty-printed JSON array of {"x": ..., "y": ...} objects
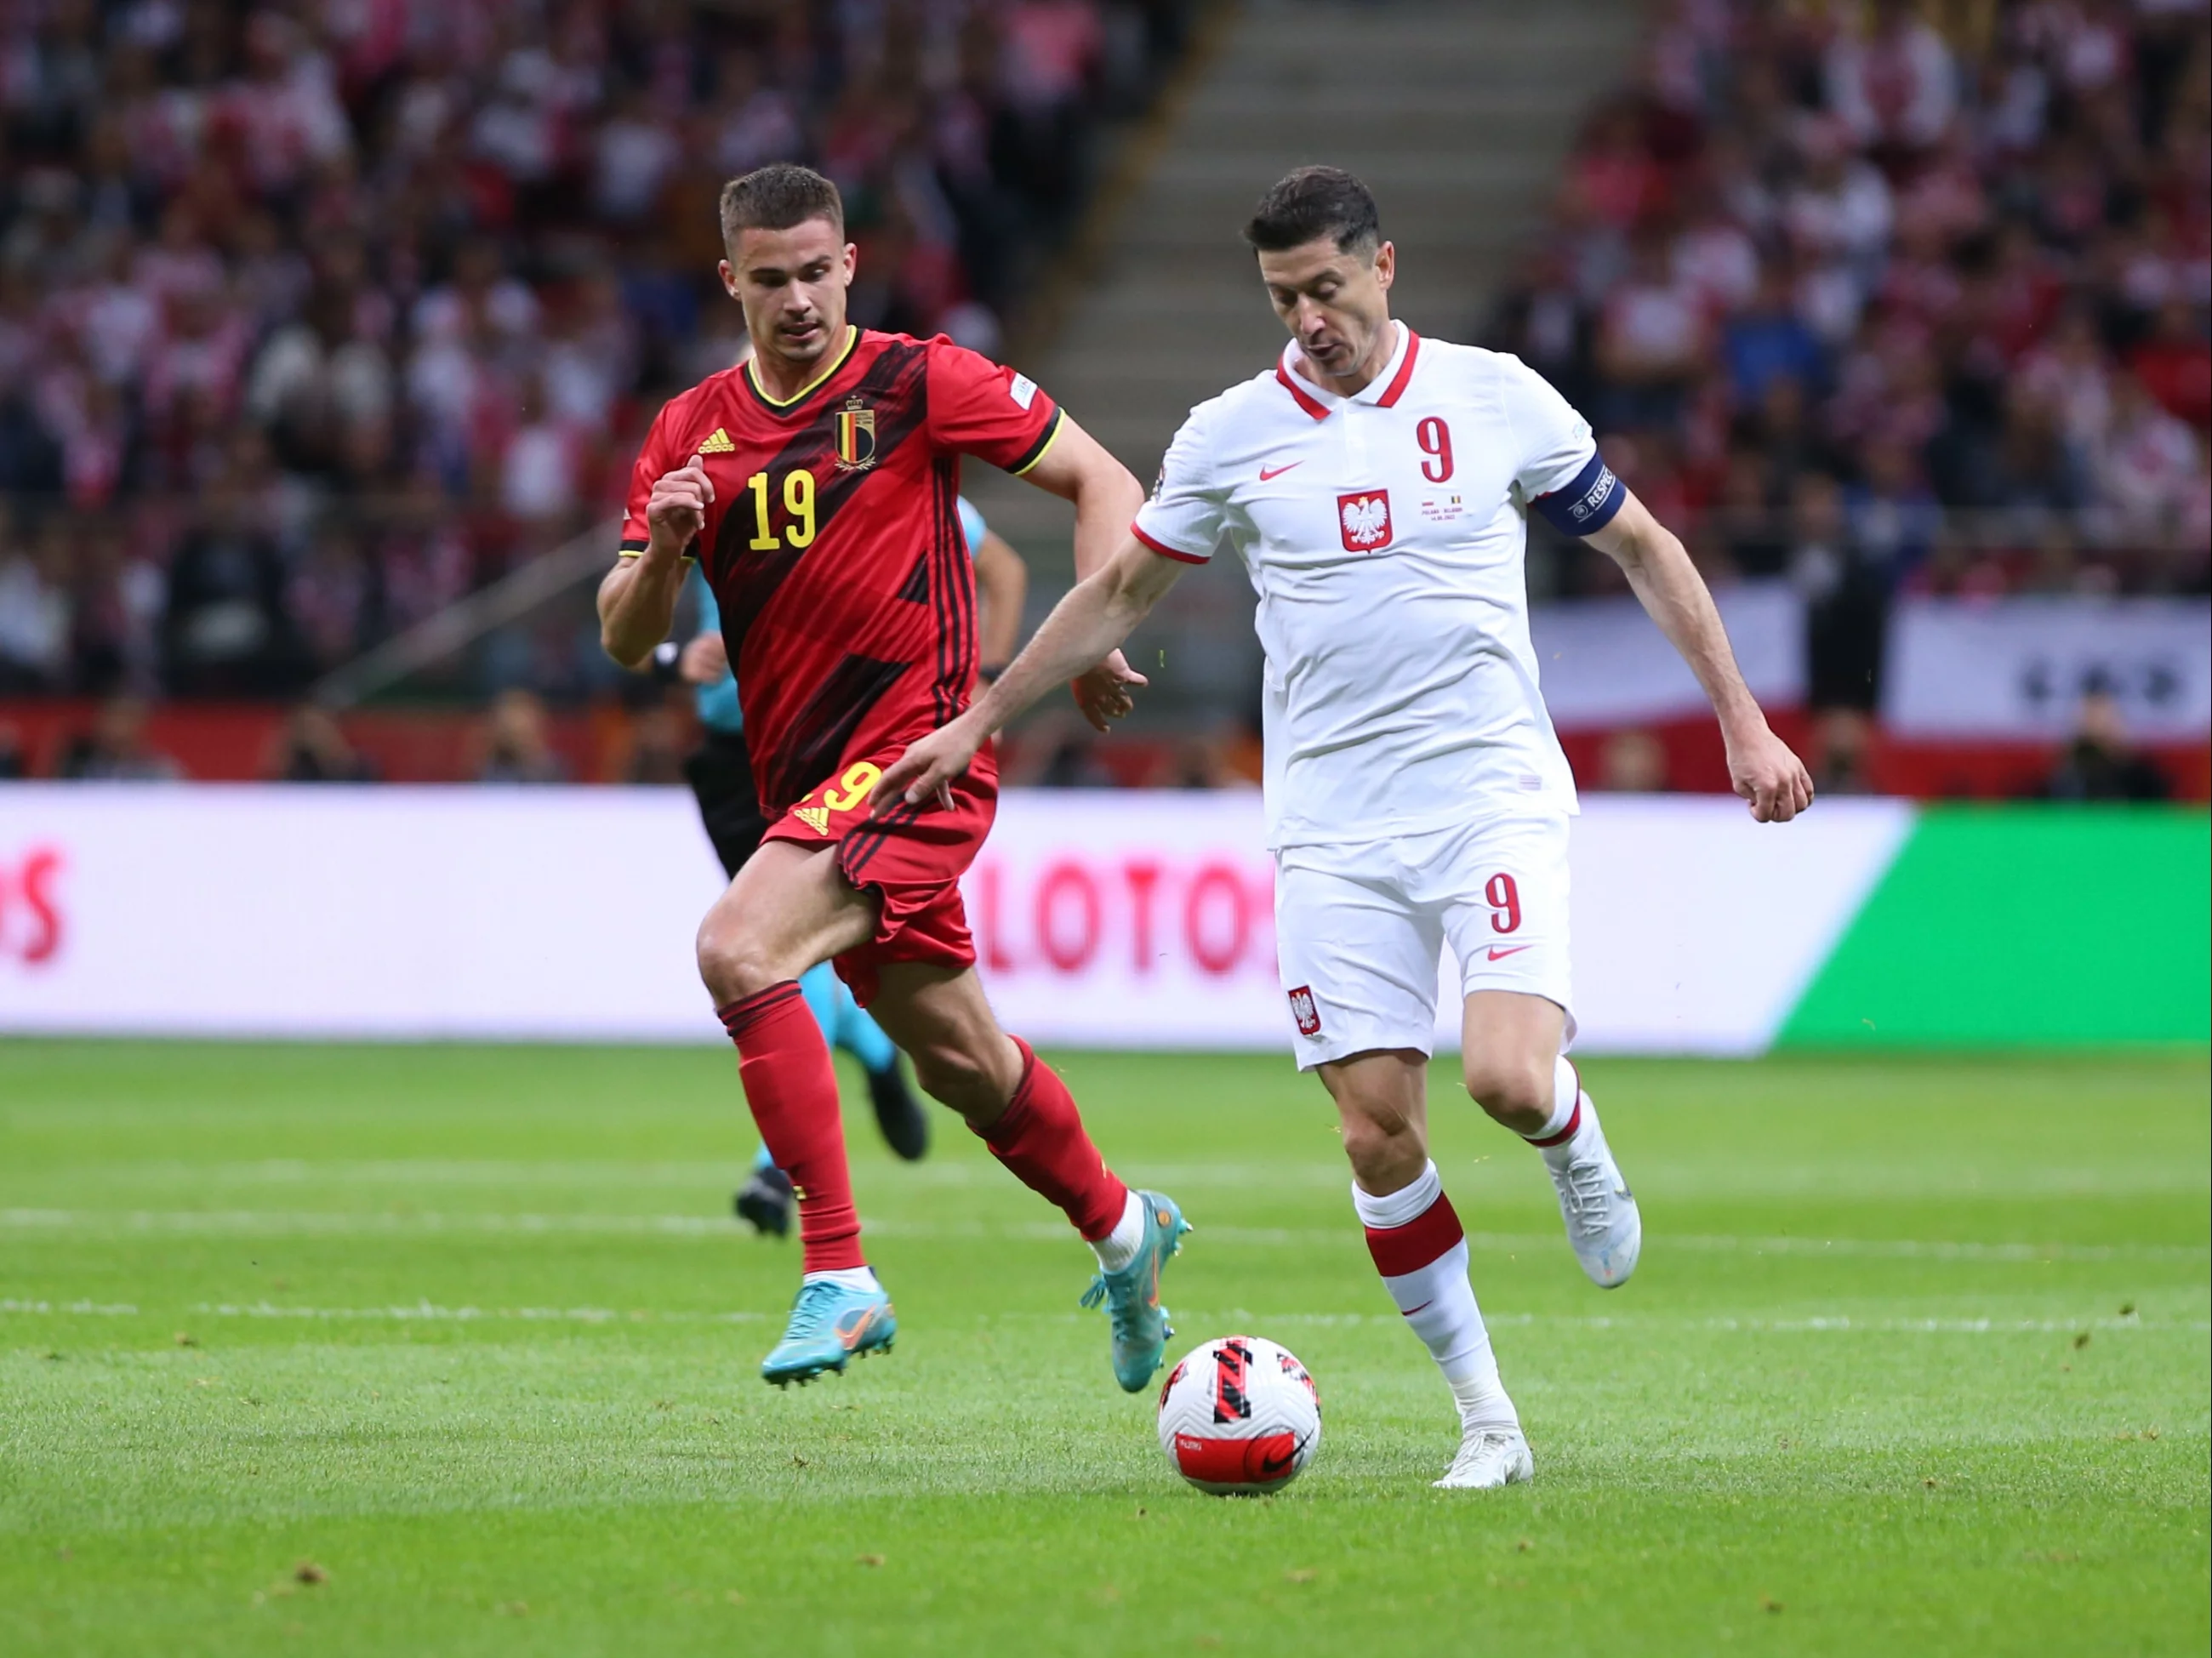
[{"x": 721, "y": 779}]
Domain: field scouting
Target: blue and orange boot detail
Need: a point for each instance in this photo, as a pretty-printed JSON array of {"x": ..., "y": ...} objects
[
  {"x": 832, "y": 1324},
  {"x": 1132, "y": 1295}
]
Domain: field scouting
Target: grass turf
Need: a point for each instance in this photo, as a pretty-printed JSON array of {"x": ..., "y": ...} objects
[{"x": 452, "y": 1350}]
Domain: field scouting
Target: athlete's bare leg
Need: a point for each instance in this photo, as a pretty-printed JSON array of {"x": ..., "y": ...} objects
[
  {"x": 1382, "y": 1106},
  {"x": 1509, "y": 1047},
  {"x": 788, "y": 908},
  {"x": 941, "y": 1018}
]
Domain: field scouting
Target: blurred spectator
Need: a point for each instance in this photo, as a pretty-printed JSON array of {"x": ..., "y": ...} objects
[
  {"x": 2099, "y": 763},
  {"x": 227, "y": 631},
  {"x": 2174, "y": 364},
  {"x": 1201, "y": 760},
  {"x": 1847, "y": 598},
  {"x": 2148, "y": 467},
  {"x": 1057, "y": 751},
  {"x": 115, "y": 750},
  {"x": 658, "y": 746},
  {"x": 1633, "y": 762},
  {"x": 1841, "y": 741},
  {"x": 14, "y": 765},
  {"x": 516, "y": 747},
  {"x": 34, "y": 612},
  {"x": 1768, "y": 338},
  {"x": 310, "y": 748}
]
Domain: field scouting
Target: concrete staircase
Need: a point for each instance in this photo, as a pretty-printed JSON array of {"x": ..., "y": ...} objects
[{"x": 1457, "y": 115}]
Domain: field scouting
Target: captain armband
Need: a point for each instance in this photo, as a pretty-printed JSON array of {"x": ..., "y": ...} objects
[{"x": 1588, "y": 504}]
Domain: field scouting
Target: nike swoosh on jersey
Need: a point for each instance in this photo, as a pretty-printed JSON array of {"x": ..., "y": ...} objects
[
  {"x": 1497, "y": 955},
  {"x": 1268, "y": 475}
]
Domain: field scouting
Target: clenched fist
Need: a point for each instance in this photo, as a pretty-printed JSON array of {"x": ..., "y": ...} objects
[{"x": 676, "y": 514}]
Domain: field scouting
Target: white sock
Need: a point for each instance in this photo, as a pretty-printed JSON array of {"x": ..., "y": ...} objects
[
  {"x": 1568, "y": 1111},
  {"x": 852, "y": 1277},
  {"x": 1421, "y": 1253},
  {"x": 1119, "y": 1247}
]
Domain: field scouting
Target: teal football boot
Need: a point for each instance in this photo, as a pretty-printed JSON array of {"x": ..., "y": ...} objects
[
  {"x": 830, "y": 1324},
  {"x": 1133, "y": 1295}
]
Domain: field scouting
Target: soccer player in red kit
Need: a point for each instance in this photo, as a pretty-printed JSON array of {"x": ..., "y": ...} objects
[{"x": 817, "y": 487}]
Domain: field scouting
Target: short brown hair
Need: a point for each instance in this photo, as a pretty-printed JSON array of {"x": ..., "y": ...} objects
[
  {"x": 1314, "y": 201},
  {"x": 777, "y": 197}
]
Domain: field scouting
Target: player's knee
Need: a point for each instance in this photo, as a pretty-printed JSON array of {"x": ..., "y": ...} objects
[
  {"x": 1380, "y": 1144},
  {"x": 733, "y": 964},
  {"x": 1508, "y": 1085}
]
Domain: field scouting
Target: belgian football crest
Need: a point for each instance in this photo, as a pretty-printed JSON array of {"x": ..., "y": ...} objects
[
  {"x": 1364, "y": 517},
  {"x": 856, "y": 436}
]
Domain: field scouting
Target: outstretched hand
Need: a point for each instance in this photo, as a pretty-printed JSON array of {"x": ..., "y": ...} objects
[
  {"x": 927, "y": 769},
  {"x": 1765, "y": 772},
  {"x": 1103, "y": 693}
]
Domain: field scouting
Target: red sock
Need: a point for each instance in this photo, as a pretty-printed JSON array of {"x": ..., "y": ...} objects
[
  {"x": 1039, "y": 1136},
  {"x": 785, "y": 1066}
]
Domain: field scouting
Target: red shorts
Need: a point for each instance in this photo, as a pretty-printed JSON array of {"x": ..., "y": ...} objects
[{"x": 911, "y": 860}]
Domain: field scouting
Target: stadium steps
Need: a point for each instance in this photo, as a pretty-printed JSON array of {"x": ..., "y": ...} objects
[{"x": 1457, "y": 113}]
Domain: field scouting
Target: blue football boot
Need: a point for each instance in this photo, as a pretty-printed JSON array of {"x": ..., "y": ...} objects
[
  {"x": 830, "y": 1324},
  {"x": 1133, "y": 1295}
]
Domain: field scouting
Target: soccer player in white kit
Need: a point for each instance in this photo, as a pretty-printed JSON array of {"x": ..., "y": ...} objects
[{"x": 1377, "y": 486}]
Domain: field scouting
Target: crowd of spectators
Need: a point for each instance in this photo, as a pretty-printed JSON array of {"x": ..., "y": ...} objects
[
  {"x": 1896, "y": 297},
  {"x": 317, "y": 314}
]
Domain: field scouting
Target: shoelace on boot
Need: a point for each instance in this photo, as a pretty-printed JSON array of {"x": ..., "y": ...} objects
[
  {"x": 1589, "y": 1195},
  {"x": 812, "y": 1312}
]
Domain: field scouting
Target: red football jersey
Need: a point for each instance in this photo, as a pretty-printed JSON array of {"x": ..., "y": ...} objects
[{"x": 834, "y": 544}]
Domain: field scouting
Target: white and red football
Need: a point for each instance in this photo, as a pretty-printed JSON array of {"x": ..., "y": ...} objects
[{"x": 1239, "y": 1417}]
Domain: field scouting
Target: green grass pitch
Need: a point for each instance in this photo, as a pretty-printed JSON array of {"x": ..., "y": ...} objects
[{"x": 453, "y": 1350}]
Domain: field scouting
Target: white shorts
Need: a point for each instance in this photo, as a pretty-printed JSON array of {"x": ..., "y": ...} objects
[{"x": 1359, "y": 930}]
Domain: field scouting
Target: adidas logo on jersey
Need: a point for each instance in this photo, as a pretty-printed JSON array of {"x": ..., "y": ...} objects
[
  {"x": 719, "y": 444},
  {"x": 815, "y": 817}
]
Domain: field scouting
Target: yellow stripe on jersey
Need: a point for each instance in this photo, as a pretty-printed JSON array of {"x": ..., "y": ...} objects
[
  {"x": 752, "y": 373},
  {"x": 1059, "y": 421}
]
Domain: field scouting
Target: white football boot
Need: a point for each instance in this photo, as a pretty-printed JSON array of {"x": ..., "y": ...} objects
[
  {"x": 1489, "y": 1458},
  {"x": 1600, "y": 1210}
]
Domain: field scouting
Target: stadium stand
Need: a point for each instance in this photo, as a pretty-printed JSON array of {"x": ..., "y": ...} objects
[
  {"x": 1916, "y": 304},
  {"x": 314, "y": 317},
  {"x": 317, "y": 319}
]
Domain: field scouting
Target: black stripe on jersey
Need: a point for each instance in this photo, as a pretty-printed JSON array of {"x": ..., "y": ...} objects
[
  {"x": 916, "y": 591},
  {"x": 637, "y": 546},
  {"x": 811, "y": 750},
  {"x": 745, "y": 578},
  {"x": 859, "y": 848},
  {"x": 952, "y": 598},
  {"x": 1035, "y": 453}
]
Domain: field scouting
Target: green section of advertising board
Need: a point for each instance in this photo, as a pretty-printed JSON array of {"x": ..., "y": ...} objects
[{"x": 2027, "y": 925}]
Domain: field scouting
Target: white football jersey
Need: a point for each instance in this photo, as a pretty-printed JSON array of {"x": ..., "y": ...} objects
[{"x": 1386, "y": 535}]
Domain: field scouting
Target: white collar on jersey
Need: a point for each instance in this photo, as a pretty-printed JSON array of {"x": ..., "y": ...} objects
[{"x": 1383, "y": 391}]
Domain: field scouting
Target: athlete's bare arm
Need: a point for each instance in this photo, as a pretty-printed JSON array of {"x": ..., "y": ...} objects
[
  {"x": 1002, "y": 581},
  {"x": 1760, "y": 764},
  {"x": 637, "y": 599},
  {"x": 1091, "y": 622},
  {"x": 1076, "y": 468}
]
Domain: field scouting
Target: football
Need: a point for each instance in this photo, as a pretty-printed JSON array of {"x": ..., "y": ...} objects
[{"x": 1240, "y": 1416}]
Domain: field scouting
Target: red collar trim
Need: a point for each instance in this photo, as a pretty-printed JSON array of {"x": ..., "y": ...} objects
[
  {"x": 1311, "y": 405},
  {"x": 1389, "y": 397}
]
